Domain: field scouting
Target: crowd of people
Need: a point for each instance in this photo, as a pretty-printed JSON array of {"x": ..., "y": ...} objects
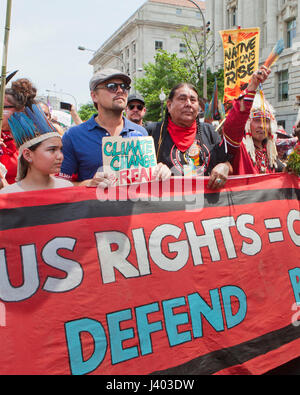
[{"x": 36, "y": 153}]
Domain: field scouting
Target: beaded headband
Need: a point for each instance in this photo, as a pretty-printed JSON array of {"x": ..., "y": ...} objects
[{"x": 260, "y": 114}]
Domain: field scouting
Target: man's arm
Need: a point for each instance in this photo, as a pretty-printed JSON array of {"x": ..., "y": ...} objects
[
  {"x": 3, "y": 171},
  {"x": 75, "y": 116},
  {"x": 100, "y": 179},
  {"x": 69, "y": 167},
  {"x": 234, "y": 126},
  {"x": 219, "y": 175}
]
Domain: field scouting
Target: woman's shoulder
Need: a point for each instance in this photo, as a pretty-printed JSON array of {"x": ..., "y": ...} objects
[
  {"x": 13, "y": 188},
  {"x": 62, "y": 183},
  {"x": 58, "y": 183}
]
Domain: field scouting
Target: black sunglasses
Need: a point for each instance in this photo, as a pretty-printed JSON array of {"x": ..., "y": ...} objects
[
  {"x": 113, "y": 87},
  {"x": 9, "y": 107},
  {"x": 138, "y": 106}
]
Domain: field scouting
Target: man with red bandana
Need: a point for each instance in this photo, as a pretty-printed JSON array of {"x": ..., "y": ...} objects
[{"x": 186, "y": 145}]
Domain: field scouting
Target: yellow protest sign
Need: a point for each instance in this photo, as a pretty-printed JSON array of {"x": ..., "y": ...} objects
[{"x": 241, "y": 59}]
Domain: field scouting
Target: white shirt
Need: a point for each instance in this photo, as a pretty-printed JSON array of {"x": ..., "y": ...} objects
[{"x": 16, "y": 187}]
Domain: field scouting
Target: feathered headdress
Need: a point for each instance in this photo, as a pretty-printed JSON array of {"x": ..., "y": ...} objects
[
  {"x": 262, "y": 109},
  {"x": 29, "y": 128}
]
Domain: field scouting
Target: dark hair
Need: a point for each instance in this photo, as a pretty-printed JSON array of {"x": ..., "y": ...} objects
[
  {"x": 22, "y": 93},
  {"x": 164, "y": 126},
  {"x": 173, "y": 92},
  {"x": 24, "y": 165},
  {"x": 180, "y": 85}
]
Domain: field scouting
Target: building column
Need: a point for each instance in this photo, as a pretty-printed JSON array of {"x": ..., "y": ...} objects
[
  {"x": 217, "y": 24},
  {"x": 272, "y": 28},
  {"x": 298, "y": 22},
  {"x": 220, "y": 24}
]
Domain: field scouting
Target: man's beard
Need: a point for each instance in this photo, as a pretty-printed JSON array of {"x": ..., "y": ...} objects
[
  {"x": 136, "y": 120},
  {"x": 117, "y": 108}
]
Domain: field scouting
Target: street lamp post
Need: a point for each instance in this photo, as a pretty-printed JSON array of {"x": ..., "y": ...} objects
[
  {"x": 4, "y": 59},
  {"x": 204, "y": 50},
  {"x": 104, "y": 53},
  {"x": 162, "y": 98}
]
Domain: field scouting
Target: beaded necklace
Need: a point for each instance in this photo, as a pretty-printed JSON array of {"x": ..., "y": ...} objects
[{"x": 262, "y": 160}]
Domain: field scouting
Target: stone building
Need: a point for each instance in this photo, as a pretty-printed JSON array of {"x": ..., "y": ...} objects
[
  {"x": 276, "y": 19},
  {"x": 155, "y": 26},
  {"x": 152, "y": 27}
]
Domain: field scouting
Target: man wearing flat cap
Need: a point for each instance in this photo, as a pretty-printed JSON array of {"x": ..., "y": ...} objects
[
  {"x": 82, "y": 144},
  {"x": 136, "y": 110}
]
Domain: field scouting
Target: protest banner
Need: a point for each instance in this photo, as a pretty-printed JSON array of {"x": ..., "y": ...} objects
[
  {"x": 148, "y": 287},
  {"x": 241, "y": 59},
  {"x": 128, "y": 161}
]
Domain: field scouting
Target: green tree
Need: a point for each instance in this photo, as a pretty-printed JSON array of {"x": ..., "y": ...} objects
[
  {"x": 193, "y": 41},
  {"x": 166, "y": 71},
  {"x": 86, "y": 111}
]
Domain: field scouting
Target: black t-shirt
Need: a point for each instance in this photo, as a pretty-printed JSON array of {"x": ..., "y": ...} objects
[{"x": 212, "y": 150}]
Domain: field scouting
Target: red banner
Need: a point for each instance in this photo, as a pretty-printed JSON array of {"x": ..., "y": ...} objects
[{"x": 165, "y": 283}]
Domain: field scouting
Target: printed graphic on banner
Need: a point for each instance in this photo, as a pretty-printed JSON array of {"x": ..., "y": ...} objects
[
  {"x": 129, "y": 160},
  {"x": 129, "y": 288},
  {"x": 241, "y": 59}
]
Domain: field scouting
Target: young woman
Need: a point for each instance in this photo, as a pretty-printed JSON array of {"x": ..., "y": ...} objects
[{"x": 40, "y": 152}]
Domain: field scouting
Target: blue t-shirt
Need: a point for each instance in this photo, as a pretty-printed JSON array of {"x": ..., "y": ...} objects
[{"x": 82, "y": 147}]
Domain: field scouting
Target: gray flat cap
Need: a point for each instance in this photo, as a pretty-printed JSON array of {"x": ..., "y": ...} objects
[{"x": 107, "y": 74}]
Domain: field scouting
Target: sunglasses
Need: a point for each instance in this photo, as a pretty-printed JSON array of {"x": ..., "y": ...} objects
[
  {"x": 138, "y": 106},
  {"x": 113, "y": 87},
  {"x": 9, "y": 107}
]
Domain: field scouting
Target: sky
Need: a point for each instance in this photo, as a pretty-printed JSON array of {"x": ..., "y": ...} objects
[{"x": 44, "y": 40}]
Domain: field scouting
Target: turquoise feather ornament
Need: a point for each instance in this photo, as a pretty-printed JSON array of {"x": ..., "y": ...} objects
[
  {"x": 276, "y": 52},
  {"x": 30, "y": 124}
]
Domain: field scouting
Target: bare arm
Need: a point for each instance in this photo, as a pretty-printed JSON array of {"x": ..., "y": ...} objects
[
  {"x": 235, "y": 123},
  {"x": 74, "y": 114},
  {"x": 101, "y": 179},
  {"x": 3, "y": 182}
]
